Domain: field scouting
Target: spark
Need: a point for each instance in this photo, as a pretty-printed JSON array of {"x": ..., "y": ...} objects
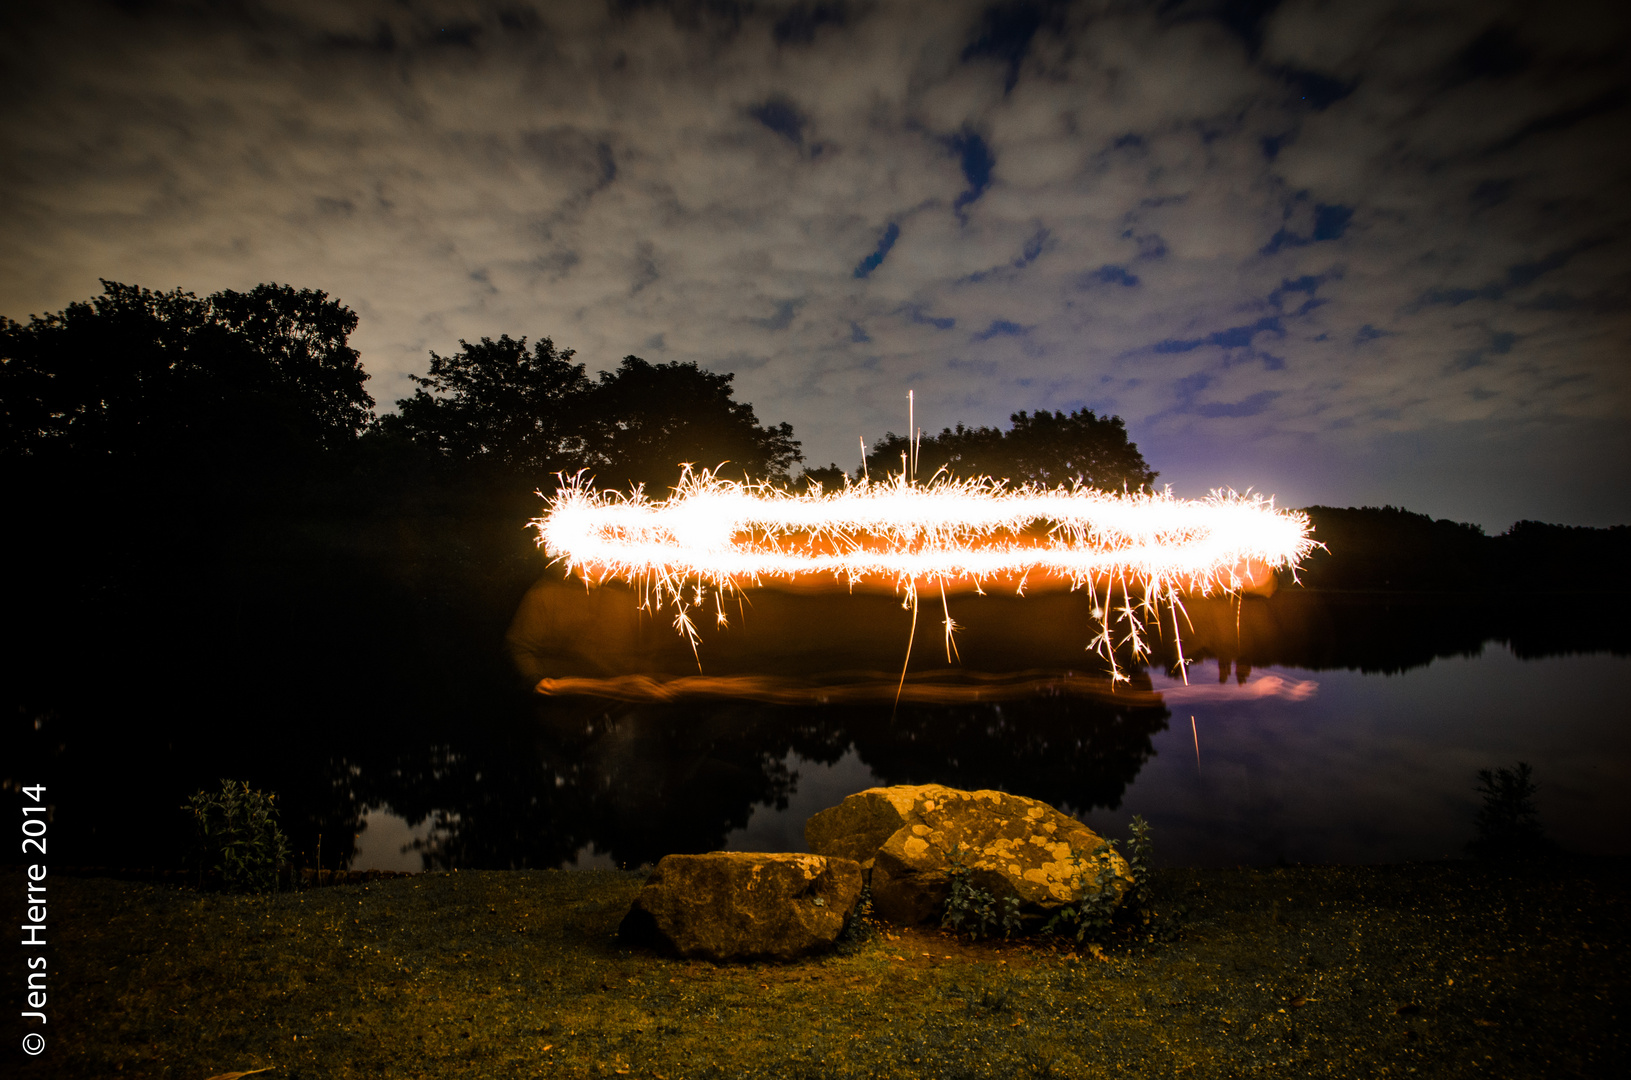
[{"x": 1138, "y": 553}]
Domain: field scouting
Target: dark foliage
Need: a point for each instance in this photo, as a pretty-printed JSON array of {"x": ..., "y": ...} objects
[
  {"x": 831, "y": 477},
  {"x": 505, "y": 413},
  {"x": 174, "y": 381},
  {"x": 496, "y": 404},
  {"x": 1391, "y": 549},
  {"x": 237, "y": 842},
  {"x": 1048, "y": 448},
  {"x": 648, "y": 418}
]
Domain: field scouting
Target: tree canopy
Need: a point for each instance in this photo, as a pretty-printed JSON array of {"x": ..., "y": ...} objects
[
  {"x": 142, "y": 375},
  {"x": 495, "y": 403},
  {"x": 1047, "y": 448},
  {"x": 647, "y": 418},
  {"x": 495, "y": 406}
]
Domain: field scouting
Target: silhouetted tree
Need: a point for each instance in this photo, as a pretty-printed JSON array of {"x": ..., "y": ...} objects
[
  {"x": 530, "y": 415},
  {"x": 1389, "y": 548},
  {"x": 1048, "y": 448},
  {"x": 831, "y": 477},
  {"x": 649, "y": 418},
  {"x": 496, "y": 404},
  {"x": 174, "y": 381}
]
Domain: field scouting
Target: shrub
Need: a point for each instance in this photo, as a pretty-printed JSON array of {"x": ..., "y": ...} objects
[
  {"x": 858, "y": 926},
  {"x": 1095, "y": 908},
  {"x": 973, "y": 909},
  {"x": 237, "y": 842},
  {"x": 1140, "y": 854}
]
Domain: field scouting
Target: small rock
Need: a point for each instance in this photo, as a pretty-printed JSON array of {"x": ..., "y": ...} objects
[
  {"x": 734, "y": 905},
  {"x": 908, "y": 836}
]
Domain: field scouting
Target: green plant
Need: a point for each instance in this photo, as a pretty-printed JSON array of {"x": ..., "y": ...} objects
[
  {"x": 1010, "y": 916},
  {"x": 1095, "y": 907},
  {"x": 858, "y": 927},
  {"x": 1140, "y": 853},
  {"x": 237, "y": 842},
  {"x": 972, "y": 909}
]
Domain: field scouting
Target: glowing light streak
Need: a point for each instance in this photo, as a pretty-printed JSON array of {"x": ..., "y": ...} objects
[
  {"x": 1138, "y": 554},
  {"x": 869, "y": 687}
]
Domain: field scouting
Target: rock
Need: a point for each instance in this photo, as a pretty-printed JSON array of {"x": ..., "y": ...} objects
[
  {"x": 733, "y": 905},
  {"x": 1013, "y": 846}
]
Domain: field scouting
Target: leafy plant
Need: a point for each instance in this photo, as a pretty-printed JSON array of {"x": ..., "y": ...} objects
[
  {"x": 858, "y": 926},
  {"x": 237, "y": 841},
  {"x": 1507, "y": 822},
  {"x": 972, "y": 909},
  {"x": 1140, "y": 853},
  {"x": 1092, "y": 913}
]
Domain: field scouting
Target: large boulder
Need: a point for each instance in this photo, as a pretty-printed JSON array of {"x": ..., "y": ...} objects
[
  {"x": 733, "y": 905},
  {"x": 911, "y": 836}
]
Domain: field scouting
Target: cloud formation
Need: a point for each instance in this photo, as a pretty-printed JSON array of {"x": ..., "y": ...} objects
[{"x": 1352, "y": 252}]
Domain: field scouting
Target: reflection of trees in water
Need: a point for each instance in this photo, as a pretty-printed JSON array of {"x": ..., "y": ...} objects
[
  {"x": 1076, "y": 752},
  {"x": 641, "y": 781},
  {"x": 345, "y": 692},
  {"x": 1395, "y": 632}
]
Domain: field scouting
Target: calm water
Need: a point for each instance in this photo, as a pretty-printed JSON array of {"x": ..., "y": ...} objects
[
  {"x": 1343, "y": 729},
  {"x": 1365, "y": 768}
]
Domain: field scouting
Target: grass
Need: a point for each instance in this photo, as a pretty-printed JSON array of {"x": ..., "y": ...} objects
[{"x": 1452, "y": 969}]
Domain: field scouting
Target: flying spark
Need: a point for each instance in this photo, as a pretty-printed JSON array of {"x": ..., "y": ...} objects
[{"x": 1138, "y": 554}]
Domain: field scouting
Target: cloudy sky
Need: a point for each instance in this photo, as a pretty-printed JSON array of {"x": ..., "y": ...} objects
[{"x": 1347, "y": 253}]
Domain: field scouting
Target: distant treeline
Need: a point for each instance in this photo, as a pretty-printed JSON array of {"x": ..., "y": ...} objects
[
  {"x": 149, "y": 437},
  {"x": 178, "y": 464},
  {"x": 262, "y": 387},
  {"x": 1389, "y": 549}
]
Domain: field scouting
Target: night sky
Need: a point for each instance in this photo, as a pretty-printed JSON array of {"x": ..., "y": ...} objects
[{"x": 1344, "y": 253}]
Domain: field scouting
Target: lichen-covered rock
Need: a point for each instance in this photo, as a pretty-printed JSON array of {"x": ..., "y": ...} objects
[
  {"x": 1013, "y": 846},
  {"x": 734, "y": 905}
]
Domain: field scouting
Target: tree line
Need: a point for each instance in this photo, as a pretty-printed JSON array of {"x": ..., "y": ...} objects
[
  {"x": 1390, "y": 549},
  {"x": 160, "y": 422},
  {"x": 266, "y": 381}
]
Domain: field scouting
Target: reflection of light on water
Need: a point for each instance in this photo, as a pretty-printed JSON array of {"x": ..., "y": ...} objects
[
  {"x": 588, "y": 857},
  {"x": 815, "y": 787},
  {"x": 388, "y": 842},
  {"x": 1135, "y": 552},
  {"x": 923, "y": 688},
  {"x": 1259, "y": 685}
]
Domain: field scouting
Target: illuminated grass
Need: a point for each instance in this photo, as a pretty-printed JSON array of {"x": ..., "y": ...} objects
[{"x": 518, "y": 975}]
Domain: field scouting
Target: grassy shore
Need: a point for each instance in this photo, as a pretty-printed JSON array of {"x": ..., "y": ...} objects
[{"x": 1448, "y": 969}]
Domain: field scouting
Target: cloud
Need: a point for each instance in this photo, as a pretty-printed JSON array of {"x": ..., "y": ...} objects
[{"x": 1262, "y": 233}]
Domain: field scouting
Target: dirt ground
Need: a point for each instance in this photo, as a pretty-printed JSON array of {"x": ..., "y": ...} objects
[{"x": 1426, "y": 970}]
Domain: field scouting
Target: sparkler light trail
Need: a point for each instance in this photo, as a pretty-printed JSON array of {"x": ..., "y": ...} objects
[{"x": 1137, "y": 553}]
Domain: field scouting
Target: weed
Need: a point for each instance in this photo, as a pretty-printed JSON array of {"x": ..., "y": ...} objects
[
  {"x": 1140, "y": 853},
  {"x": 237, "y": 844},
  {"x": 1093, "y": 911},
  {"x": 858, "y": 925},
  {"x": 972, "y": 909}
]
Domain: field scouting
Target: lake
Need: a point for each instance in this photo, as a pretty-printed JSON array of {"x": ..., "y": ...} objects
[{"x": 1313, "y": 728}]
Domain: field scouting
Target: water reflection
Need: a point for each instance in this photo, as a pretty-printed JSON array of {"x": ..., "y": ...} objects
[
  {"x": 371, "y": 717},
  {"x": 1381, "y": 768}
]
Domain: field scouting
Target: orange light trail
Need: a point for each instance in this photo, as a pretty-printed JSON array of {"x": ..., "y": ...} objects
[{"x": 1137, "y": 553}]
